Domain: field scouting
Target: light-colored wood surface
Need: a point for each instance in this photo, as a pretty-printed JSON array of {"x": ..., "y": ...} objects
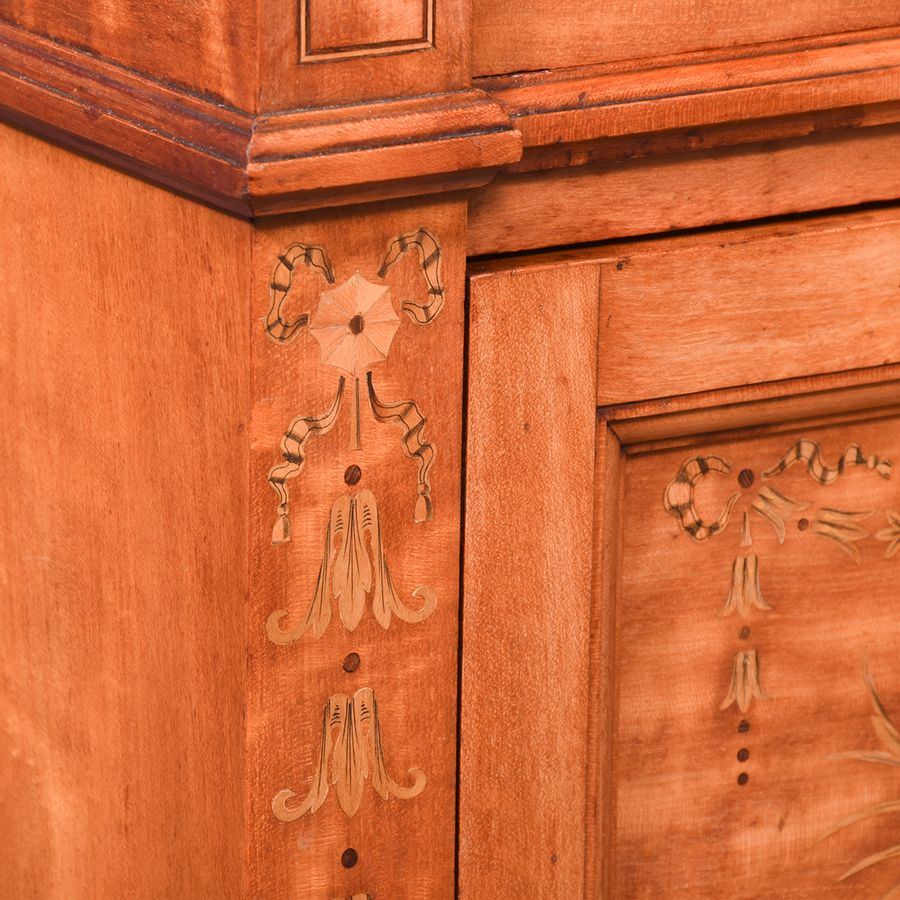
[
  {"x": 753, "y": 305},
  {"x": 521, "y": 37},
  {"x": 528, "y": 556},
  {"x": 685, "y": 822},
  {"x": 207, "y": 46},
  {"x": 405, "y": 847},
  {"x": 123, "y": 557},
  {"x": 688, "y": 190},
  {"x": 563, "y": 107}
]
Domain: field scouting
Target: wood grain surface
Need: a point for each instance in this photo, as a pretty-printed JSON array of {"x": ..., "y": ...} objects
[
  {"x": 688, "y": 190},
  {"x": 123, "y": 558},
  {"x": 712, "y": 802},
  {"x": 751, "y": 305},
  {"x": 522, "y": 37},
  {"x": 405, "y": 848},
  {"x": 208, "y": 47},
  {"x": 528, "y": 556}
]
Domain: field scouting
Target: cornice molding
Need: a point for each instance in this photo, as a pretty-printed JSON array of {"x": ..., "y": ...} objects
[
  {"x": 300, "y": 159},
  {"x": 801, "y": 83},
  {"x": 252, "y": 164}
]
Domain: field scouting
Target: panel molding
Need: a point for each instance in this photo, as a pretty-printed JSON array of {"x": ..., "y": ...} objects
[
  {"x": 311, "y": 53},
  {"x": 849, "y": 401}
]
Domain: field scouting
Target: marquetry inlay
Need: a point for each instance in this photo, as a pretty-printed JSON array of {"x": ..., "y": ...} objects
[{"x": 843, "y": 526}]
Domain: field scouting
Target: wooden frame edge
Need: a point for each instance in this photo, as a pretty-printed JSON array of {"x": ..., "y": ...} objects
[{"x": 600, "y": 798}]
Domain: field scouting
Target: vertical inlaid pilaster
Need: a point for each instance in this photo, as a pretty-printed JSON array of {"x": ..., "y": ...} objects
[{"x": 356, "y": 429}]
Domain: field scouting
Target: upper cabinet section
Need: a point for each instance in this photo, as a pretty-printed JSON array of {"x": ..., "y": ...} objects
[
  {"x": 206, "y": 46},
  {"x": 323, "y": 52},
  {"x": 276, "y": 106},
  {"x": 272, "y": 55},
  {"x": 514, "y": 36}
]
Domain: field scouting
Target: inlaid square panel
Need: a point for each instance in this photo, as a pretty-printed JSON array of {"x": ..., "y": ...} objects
[
  {"x": 757, "y": 667},
  {"x": 357, "y": 29}
]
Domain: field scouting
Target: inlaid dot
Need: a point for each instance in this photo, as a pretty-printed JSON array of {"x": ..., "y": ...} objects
[
  {"x": 744, "y": 726},
  {"x": 743, "y": 778},
  {"x": 803, "y": 524},
  {"x": 351, "y": 662},
  {"x": 349, "y": 858},
  {"x": 353, "y": 474},
  {"x": 743, "y": 754},
  {"x": 357, "y": 323},
  {"x": 745, "y": 478},
  {"x": 745, "y": 633}
]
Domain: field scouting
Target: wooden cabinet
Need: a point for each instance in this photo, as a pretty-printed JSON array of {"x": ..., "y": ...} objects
[
  {"x": 691, "y": 574},
  {"x": 451, "y": 451}
]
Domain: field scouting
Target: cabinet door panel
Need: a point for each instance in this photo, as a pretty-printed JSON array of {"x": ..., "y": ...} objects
[
  {"x": 681, "y": 640},
  {"x": 756, "y": 619}
]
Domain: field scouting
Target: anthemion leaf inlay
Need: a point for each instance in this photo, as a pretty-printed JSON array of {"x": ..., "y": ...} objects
[
  {"x": 351, "y": 752},
  {"x": 745, "y": 684},
  {"x": 352, "y": 569},
  {"x": 745, "y": 593}
]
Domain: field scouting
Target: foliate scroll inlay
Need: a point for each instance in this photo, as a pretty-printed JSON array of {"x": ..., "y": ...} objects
[
  {"x": 745, "y": 593},
  {"x": 745, "y": 683},
  {"x": 775, "y": 509}
]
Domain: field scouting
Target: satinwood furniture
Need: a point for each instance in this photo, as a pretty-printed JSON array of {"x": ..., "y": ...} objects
[{"x": 450, "y": 449}]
